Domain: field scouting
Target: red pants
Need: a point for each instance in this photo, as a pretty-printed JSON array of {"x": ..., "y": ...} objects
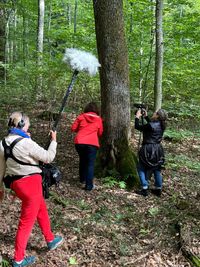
[{"x": 29, "y": 190}]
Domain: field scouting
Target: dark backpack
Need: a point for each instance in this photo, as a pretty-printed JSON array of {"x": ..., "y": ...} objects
[{"x": 51, "y": 175}]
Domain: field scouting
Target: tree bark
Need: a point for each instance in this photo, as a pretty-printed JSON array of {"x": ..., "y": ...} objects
[
  {"x": 24, "y": 40},
  {"x": 2, "y": 43},
  {"x": 40, "y": 38},
  {"x": 14, "y": 56},
  {"x": 152, "y": 45},
  {"x": 75, "y": 16},
  {"x": 49, "y": 27},
  {"x": 7, "y": 48},
  {"x": 115, "y": 154},
  {"x": 159, "y": 56}
]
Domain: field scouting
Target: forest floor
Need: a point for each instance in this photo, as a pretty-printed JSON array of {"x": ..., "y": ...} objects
[{"x": 110, "y": 226}]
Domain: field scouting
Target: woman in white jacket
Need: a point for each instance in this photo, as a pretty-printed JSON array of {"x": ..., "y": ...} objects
[{"x": 26, "y": 182}]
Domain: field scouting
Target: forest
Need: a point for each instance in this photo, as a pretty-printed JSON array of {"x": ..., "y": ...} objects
[{"x": 147, "y": 52}]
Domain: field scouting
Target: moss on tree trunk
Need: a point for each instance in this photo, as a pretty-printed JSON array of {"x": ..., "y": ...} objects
[{"x": 118, "y": 160}]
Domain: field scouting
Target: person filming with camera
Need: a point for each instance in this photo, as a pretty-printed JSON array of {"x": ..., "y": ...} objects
[
  {"x": 21, "y": 173},
  {"x": 151, "y": 153}
]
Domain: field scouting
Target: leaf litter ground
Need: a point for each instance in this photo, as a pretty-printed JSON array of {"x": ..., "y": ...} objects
[{"x": 111, "y": 226}]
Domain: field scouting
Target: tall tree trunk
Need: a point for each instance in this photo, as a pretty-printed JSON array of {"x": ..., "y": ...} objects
[
  {"x": 75, "y": 21},
  {"x": 115, "y": 154},
  {"x": 49, "y": 27},
  {"x": 2, "y": 43},
  {"x": 159, "y": 56},
  {"x": 69, "y": 15},
  {"x": 40, "y": 38},
  {"x": 141, "y": 69},
  {"x": 131, "y": 20},
  {"x": 7, "y": 45},
  {"x": 67, "y": 8},
  {"x": 24, "y": 40},
  {"x": 152, "y": 45},
  {"x": 75, "y": 16},
  {"x": 14, "y": 58}
]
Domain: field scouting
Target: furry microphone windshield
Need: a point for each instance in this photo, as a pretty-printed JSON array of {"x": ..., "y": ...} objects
[{"x": 81, "y": 61}]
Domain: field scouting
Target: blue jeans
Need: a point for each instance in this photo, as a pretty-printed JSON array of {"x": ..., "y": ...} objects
[
  {"x": 145, "y": 174},
  {"x": 87, "y": 156}
]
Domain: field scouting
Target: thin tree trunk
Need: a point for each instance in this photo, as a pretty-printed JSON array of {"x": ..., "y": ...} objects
[
  {"x": 75, "y": 16},
  {"x": 40, "y": 38},
  {"x": 159, "y": 56},
  {"x": 67, "y": 8},
  {"x": 24, "y": 40},
  {"x": 2, "y": 43},
  {"x": 69, "y": 16},
  {"x": 115, "y": 154},
  {"x": 7, "y": 47},
  {"x": 14, "y": 36},
  {"x": 140, "y": 69},
  {"x": 131, "y": 20},
  {"x": 152, "y": 45},
  {"x": 49, "y": 27}
]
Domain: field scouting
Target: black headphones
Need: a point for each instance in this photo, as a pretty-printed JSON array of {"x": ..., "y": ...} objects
[{"x": 20, "y": 124}]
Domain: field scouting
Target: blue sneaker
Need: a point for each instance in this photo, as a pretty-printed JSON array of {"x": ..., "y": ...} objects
[
  {"x": 26, "y": 262},
  {"x": 55, "y": 243}
]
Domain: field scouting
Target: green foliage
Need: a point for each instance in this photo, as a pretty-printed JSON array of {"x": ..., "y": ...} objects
[
  {"x": 122, "y": 184},
  {"x": 110, "y": 182},
  {"x": 178, "y": 136},
  {"x": 173, "y": 135},
  {"x": 195, "y": 260},
  {"x": 72, "y": 261},
  {"x": 153, "y": 211},
  {"x": 144, "y": 231},
  {"x": 101, "y": 213},
  {"x": 124, "y": 249},
  {"x": 4, "y": 263},
  {"x": 83, "y": 205},
  {"x": 184, "y": 110},
  {"x": 180, "y": 161},
  {"x": 65, "y": 28}
]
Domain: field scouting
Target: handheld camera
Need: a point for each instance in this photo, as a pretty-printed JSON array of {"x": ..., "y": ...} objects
[{"x": 143, "y": 108}]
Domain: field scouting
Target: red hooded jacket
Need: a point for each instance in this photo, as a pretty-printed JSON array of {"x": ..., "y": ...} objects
[{"x": 88, "y": 127}]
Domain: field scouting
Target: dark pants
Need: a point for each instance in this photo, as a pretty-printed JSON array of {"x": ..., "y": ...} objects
[{"x": 87, "y": 156}]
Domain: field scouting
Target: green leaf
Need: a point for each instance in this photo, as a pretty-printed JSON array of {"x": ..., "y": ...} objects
[
  {"x": 153, "y": 211},
  {"x": 72, "y": 261},
  {"x": 122, "y": 185}
]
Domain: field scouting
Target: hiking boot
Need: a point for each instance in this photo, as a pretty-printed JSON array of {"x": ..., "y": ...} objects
[
  {"x": 142, "y": 192},
  {"x": 26, "y": 262},
  {"x": 156, "y": 191},
  {"x": 55, "y": 243}
]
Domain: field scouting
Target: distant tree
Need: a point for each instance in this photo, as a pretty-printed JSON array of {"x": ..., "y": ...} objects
[
  {"x": 2, "y": 43},
  {"x": 115, "y": 155},
  {"x": 159, "y": 56},
  {"x": 40, "y": 37},
  {"x": 75, "y": 16}
]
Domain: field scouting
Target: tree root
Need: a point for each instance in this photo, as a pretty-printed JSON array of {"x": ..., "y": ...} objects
[{"x": 187, "y": 244}]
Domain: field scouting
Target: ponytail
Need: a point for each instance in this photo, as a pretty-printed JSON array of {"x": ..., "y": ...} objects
[{"x": 162, "y": 117}]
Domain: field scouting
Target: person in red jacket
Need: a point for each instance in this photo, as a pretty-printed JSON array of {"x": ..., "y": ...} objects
[{"x": 89, "y": 128}]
